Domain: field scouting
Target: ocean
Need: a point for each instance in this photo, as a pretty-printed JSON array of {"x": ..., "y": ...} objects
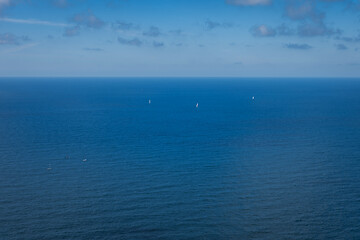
[{"x": 91, "y": 158}]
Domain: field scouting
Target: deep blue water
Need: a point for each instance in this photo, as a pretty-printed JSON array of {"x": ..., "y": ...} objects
[{"x": 283, "y": 166}]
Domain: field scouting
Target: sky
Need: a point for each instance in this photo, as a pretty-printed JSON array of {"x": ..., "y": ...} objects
[{"x": 180, "y": 38}]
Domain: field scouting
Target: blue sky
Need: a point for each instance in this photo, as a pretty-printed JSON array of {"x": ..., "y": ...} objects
[{"x": 232, "y": 38}]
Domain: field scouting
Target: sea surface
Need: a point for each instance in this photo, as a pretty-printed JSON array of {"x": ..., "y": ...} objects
[{"x": 92, "y": 159}]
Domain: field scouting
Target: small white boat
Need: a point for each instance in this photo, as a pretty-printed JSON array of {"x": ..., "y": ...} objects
[
  {"x": 84, "y": 160},
  {"x": 253, "y": 98},
  {"x": 149, "y": 101},
  {"x": 197, "y": 105}
]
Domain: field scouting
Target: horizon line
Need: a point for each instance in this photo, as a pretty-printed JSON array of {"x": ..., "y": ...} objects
[{"x": 175, "y": 77}]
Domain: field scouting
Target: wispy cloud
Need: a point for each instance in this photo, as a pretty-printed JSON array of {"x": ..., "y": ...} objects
[
  {"x": 297, "y": 46},
  {"x": 132, "y": 42},
  {"x": 80, "y": 21},
  {"x": 349, "y": 39},
  {"x": 317, "y": 29},
  {"x": 33, "y": 22},
  {"x": 341, "y": 47},
  {"x": 312, "y": 20},
  {"x": 88, "y": 20},
  {"x": 124, "y": 26},
  {"x": 20, "y": 48},
  {"x": 210, "y": 25},
  {"x": 177, "y": 32},
  {"x": 248, "y": 2},
  {"x": 4, "y": 3},
  {"x": 262, "y": 31},
  {"x": 60, "y": 3},
  {"x": 300, "y": 10},
  {"x": 93, "y": 49},
  {"x": 158, "y": 44},
  {"x": 152, "y": 32},
  {"x": 71, "y": 31},
  {"x": 12, "y": 39},
  {"x": 284, "y": 30},
  {"x": 305, "y": 29}
]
